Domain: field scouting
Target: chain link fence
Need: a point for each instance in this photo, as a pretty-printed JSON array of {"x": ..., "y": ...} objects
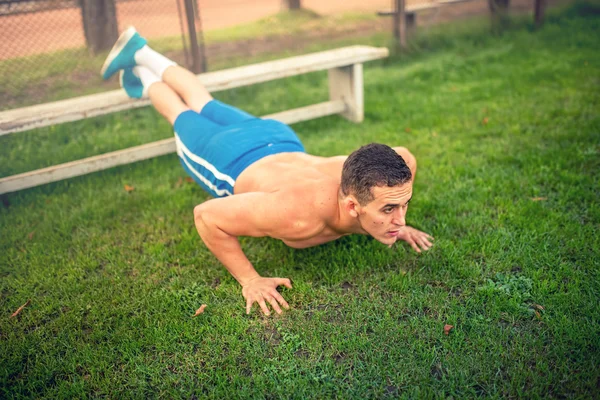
[{"x": 53, "y": 49}]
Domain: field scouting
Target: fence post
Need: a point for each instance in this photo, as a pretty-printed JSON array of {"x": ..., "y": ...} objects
[
  {"x": 400, "y": 23},
  {"x": 292, "y": 4},
  {"x": 99, "y": 18},
  {"x": 540, "y": 8},
  {"x": 198, "y": 64}
]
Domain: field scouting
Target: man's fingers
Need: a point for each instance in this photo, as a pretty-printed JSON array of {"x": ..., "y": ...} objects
[
  {"x": 248, "y": 305},
  {"x": 285, "y": 282},
  {"x": 280, "y": 299},
  {"x": 424, "y": 243},
  {"x": 263, "y": 306},
  {"x": 413, "y": 244},
  {"x": 275, "y": 306}
]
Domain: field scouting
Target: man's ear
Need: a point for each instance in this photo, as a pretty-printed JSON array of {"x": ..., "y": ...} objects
[{"x": 352, "y": 206}]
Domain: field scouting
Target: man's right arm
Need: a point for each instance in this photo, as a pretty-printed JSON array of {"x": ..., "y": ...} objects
[{"x": 220, "y": 221}]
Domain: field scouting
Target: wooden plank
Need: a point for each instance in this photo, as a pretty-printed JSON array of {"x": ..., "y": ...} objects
[
  {"x": 143, "y": 152},
  {"x": 38, "y": 116},
  {"x": 309, "y": 112},
  {"x": 86, "y": 166}
]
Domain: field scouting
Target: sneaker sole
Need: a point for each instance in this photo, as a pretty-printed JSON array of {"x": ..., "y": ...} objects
[
  {"x": 118, "y": 46},
  {"x": 121, "y": 73}
]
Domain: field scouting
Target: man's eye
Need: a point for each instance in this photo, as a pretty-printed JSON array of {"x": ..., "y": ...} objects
[{"x": 387, "y": 210}]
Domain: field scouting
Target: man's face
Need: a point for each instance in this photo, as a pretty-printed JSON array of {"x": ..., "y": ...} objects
[{"x": 385, "y": 215}]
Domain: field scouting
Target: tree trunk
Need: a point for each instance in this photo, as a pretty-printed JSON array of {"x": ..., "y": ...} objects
[
  {"x": 100, "y": 27},
  {"x": 292, "y": 4}
]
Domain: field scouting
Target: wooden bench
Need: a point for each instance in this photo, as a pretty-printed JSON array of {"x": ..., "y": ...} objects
[{"x": 345, "y": 71}]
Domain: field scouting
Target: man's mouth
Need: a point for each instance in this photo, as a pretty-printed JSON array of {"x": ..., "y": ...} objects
[{"x": 393, "y": 233}]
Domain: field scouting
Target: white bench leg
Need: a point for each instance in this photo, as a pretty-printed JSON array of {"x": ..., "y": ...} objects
[{"x": 346, "y": 83}]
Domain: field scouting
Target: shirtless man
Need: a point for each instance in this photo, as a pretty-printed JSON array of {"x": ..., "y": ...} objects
[{"x": 263, "y": 182}]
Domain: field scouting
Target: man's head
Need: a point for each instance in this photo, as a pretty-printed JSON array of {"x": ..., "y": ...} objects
[{"x": 376, "y": 188}]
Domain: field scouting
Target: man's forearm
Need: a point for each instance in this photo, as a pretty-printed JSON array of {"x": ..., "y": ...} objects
[{"x": 226, "y": 248}]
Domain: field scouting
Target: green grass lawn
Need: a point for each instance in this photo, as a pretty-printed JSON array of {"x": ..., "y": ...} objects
[{"x": 506, "y": 130}]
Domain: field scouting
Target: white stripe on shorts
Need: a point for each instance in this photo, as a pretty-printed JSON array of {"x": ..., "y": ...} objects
[
  {"x": 219, "y": 175},
  {"x": 219, "y": 192}
]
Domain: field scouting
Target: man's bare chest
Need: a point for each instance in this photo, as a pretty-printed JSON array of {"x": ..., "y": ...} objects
[{"x": 311, "y": 242}]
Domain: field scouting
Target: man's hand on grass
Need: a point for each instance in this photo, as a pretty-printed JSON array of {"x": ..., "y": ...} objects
[
  {"x": 263, "y": 290},
  {"x": 415, "y": 238}
]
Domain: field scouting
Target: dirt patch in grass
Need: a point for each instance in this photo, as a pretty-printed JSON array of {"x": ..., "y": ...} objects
[
  {"x": 271, "y": 336},
  {"x": 339, "y": 358},
  {"x": 302, "y": 354}
]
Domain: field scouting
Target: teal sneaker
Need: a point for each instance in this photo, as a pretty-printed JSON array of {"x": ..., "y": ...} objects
[
  {"x": 121, "y": 56},
  {"x": 131, "y": 83}
]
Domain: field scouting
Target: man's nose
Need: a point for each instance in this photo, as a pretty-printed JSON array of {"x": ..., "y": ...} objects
[{"x": 399, "y": 218}]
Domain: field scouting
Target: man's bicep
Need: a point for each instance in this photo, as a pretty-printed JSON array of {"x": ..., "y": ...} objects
[{"x": 247, "y": 214}]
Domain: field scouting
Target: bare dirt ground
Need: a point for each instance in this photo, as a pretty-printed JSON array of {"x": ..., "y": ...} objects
[{"x": 48, "y": 31}]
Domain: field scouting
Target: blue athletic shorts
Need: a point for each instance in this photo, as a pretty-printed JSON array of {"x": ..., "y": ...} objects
[{"x": 217, "y": 144}]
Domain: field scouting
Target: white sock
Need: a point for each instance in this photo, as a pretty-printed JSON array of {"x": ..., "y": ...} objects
[
  {"x": 146, "y": 76},
  {"x": 156, "y": 62}
]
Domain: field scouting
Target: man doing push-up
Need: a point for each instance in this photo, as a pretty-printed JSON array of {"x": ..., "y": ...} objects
[{"x": 263, "y": 181}]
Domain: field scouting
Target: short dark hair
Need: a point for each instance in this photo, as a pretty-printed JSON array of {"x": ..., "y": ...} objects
[{"x": 373, "y": 165}]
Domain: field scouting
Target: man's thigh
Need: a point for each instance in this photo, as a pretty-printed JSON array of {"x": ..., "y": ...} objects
[{"x": 224, "y": 114}]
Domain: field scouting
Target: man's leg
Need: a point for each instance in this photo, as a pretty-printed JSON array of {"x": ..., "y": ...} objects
[
  {"x": 182, "y": 81},
  {"x": 195, "y": 95},
  {"x": 166, "y": 101},
  {"x": 188, "y": 86},
  {"x": 191, "y": 130},
  {"x": 131, "y": 53},
  {"x": 179, "y": 96}
]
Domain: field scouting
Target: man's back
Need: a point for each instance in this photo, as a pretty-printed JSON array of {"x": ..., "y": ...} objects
[
  {"x": 281, "y": 171},
  {"x": 308, "y": 185}
]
